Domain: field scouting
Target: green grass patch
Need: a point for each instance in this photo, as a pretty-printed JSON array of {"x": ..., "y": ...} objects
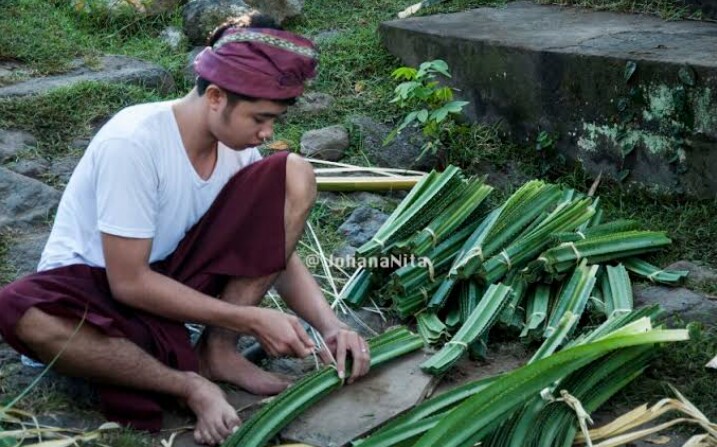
[
  {"x": 66, "y": 113},
  {"x": 44, "y": 37}
]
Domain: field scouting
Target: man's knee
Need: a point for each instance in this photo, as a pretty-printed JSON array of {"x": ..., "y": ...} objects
[
  {"x": 36, "y": 327},
  {"x": 300, "y": 179}
]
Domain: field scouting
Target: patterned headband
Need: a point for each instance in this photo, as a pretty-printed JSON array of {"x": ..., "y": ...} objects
[{"x": 277, "y": 42}]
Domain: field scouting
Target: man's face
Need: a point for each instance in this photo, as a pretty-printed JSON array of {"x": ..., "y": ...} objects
[{"x": 246, "y": 124}]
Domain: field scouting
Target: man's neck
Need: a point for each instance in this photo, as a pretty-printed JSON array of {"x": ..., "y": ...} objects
[{"x": 199, "y": 143}]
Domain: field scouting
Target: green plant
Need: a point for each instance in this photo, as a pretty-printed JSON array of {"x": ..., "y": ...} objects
[{"x": 431, "y": 105}]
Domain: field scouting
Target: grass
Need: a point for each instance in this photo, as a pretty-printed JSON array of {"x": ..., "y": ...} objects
[{"x": 69, "y": 112}]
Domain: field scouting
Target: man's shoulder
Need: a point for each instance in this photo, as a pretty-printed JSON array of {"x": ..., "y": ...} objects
[{"x": 136, "y": 121}]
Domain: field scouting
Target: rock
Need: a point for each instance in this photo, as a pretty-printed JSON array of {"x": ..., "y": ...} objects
[
  {"x": 344, "y": 252},
  {"x": 173, "y": 37},
  {"x": 403, "y": 151},
  {"x": 13, "y": 142},
  {"x": 126, "y": 7},
  {"x": 12, "y": 72},
  {"x": 113, "y": 69},
  {"x": 81, "y": 143},
  {"x": 201, "y": 17},
  {"x": 24, "y": 252},
  {"x": 699, "y": 276},
  {"x": 372, "y": 200},
  {"x": 326, "y": 36},
  {"x": 278, "y": 10},
  {"x": 26, "y": 202},
  {"x": 678, "y": 303},
  {"x": 33, "y": 168},
  {"x": 190, "y": 75},
  {"x": 312, "y": 103},
  {"x": 328, "y": 143},
  {"x": 362, "y": 224},
  {"x": 63, "y": 167},
  {"x": 368, "y": 323},
  {"x": 581, "y": 75}
]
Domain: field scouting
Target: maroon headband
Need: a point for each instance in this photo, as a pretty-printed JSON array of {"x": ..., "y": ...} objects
[{"x": 259, "y": 62}]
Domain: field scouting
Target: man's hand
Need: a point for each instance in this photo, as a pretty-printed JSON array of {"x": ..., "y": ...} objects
[
  {"x": 281, "y": 334},
  {"x": 341, "y": 341}
]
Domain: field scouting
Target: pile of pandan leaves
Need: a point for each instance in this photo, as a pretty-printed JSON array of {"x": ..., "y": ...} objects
[{"x": 534, "y": 264}]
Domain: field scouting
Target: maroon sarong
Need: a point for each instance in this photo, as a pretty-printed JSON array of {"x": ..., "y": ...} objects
[{"x": 241, "y": 235}]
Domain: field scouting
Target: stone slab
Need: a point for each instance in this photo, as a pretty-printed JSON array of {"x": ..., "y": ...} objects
[
  {"x": 114, "y": 69},
  {"x": 678, "y": 303},
  {"x": 537, "y": 68},
  {"x": 25, "y": 202},
  {"x": 357, "y": 409}
]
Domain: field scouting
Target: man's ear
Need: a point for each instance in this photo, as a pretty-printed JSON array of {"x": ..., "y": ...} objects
[{"x": 216, "y": 97}]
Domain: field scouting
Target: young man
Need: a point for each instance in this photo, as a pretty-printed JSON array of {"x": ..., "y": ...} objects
[{"x": 170, "y": 207}]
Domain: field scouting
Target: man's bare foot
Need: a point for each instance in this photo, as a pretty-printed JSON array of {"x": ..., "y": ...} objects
[
  {"x": 216, "y": 418},
  {"x": 227, "y": 365}
]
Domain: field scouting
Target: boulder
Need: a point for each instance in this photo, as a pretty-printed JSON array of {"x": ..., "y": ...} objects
[
  {"x": 26, "y": 202},
  {"x": 33, "y": 168},
  {"x": 679, "y": 303},
  {"x": 328, "y": 143},
  {"x": 24, "y": 252},
  {"x": 402, "y": 153},
  {"x": 312, "y": 103},
  {"x": 173, "y": 37},
  {"x": 113, "y": 69},
  {"x": 201, "y": 17},
  {"x": 13, "y": 142},
  {"x": 189, "y": 74},
  {"x": 362, "y": 225},
  {"x": 126, "y": 7},
  {"x": 62, "y": 167},
  {"x": 699, "y": 276},
  {"x": 278, "y": 10}
]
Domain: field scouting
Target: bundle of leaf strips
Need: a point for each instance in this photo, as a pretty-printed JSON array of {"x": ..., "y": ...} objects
[
  {"x": 655, "y": 274},
  {"x": 257, "y": 431},
  {"x": 474, "y": 419},
  {"x": 479, "y": 321},
  {"x": 597, "y": 249},
  {"x": 475, "y": 411},
  {"x": 426, "y": 200}
]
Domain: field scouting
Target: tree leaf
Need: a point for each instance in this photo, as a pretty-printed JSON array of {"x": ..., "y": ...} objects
[
  {"x": 630, "y": 68},
  {"x": 441, "y": 67},
  {"x": 444, "y": 94},
  {"x": 422, "y": 115},
  {"x": 439, "y": 115},
  {"x": 407, "y": 73},
  {"x": 455, "y": 106},
  {"x": 687, "y": 75},
  {"x": 410, "y": 118},
  {"x": 622, "y": 175},
  {"x": 405, "y": 89}
]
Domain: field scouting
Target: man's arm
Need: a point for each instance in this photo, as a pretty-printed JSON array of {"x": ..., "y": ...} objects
[
  {"x": 135, "y": 284},
  {"x": 302, "y": 294}
]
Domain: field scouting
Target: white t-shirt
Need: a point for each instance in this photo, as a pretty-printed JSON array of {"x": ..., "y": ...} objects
[{"x": 135, "y": 180}]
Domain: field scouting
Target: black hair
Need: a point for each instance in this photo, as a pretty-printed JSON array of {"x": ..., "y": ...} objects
[
  {"x": 233, "y": 98},
  {"x": 252, "y": 19}
]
